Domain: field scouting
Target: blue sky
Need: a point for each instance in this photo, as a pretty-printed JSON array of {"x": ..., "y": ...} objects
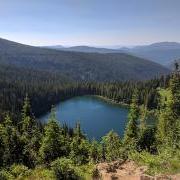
[{"x": 90, "y": 22}]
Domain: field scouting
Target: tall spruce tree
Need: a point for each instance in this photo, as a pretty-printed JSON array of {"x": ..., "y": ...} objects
[
  {"x": 80, "y": 146},
  {"x": 131, "y": 132},
  {"x": 10, "y": 148},
  {"x": 53, "y": 143},
  {"x": 28, "y": 119},
  {"x": 143, "y": 114},
  {"x": 168, "y": 129},
  {"x": 30, "y": 135},
  {"x": 78, "y": 132},
  {"x": 95, "y": 151},
  {"x": 112, "y": 146}
]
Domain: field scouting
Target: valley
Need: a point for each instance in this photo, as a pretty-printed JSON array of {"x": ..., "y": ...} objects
[
  {"x": 163, "y": 53},
  {"x": 80, "y": 66},
  {"x": 89, "y": 90},
  {"x": 61, "y": 117}
]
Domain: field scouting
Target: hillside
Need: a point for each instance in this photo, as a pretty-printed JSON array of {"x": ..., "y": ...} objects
[
  {"x": 162, "y": 52},
  {"x": 171, "y": 64},
  {"x": 80, "y": 66},
  {"x": 86, "y": 49},
  {"x": 128, "y": 170},
  {"x": 55, "y": 151}
]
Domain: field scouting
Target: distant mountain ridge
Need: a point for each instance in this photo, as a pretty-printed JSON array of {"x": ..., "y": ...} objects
[
  {"x": 80, "y": 66},
  {"x": 86, "y": 49},
  {"x": 162, "y": 52}
]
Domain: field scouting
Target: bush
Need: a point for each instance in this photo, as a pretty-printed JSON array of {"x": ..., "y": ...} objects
[
  {"x": 19, "y": 171},
  {"x": 147, "y": 140},
  {"x": 165, "y": 162},
  {"x": 64, "y": 169},
  {"x": 85, "y": 171},
  {"x": 14, "y": 172},
  {"x": 112, "y": 146},
  {"x": 41, "y": 173},
  {"x": 5, "y": 175},
  {"x": 80, "y": 151},
  {"x": 96, "y": 174}
]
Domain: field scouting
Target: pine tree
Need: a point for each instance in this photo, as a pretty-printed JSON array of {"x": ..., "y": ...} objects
[
  {"x": 53, "y": 142},
  {"x": 79, "y": 146},
  {"x": 28, "y": 120},
  {"x": 131, "y": 132},
  {"x": 9, "y": 143},
  {"x": 143, "y": 114},
  {"x": 78, "y": 132},
  {"x": 80, "y": 150},
  {"x": 112, "y": 145},
  {"x": 169, "y": 114},
  {"x": 95, "y": 151}
]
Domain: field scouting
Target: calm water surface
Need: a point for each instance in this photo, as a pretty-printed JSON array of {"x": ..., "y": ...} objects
[{"x": 97, "y": 117}]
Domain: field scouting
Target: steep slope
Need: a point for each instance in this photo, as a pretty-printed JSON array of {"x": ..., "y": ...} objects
[
  {"x": 162, "y": 52},
  {"x": 80, "y": 66}
]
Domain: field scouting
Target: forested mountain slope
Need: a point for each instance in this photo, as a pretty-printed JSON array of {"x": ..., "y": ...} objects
[
  {"x": 48, "y": 88},
  {"x": 80, "y": 66},
  {"x": 30, "y": 150},
  {"x": 86, "y": 49},
  {"x": 161, "y": 52}
]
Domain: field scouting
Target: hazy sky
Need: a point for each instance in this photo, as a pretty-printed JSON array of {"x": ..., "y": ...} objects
[{"x": 90, "y": 22}]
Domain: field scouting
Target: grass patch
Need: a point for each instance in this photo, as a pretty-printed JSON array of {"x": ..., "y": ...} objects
[{"x": 166, "y": 162}]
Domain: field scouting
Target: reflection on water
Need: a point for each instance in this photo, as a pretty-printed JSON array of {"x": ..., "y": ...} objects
[{"x": 97, "y": 117}]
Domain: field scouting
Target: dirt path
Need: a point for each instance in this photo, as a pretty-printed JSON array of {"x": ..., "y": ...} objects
[{"x": 128, "y": 170}]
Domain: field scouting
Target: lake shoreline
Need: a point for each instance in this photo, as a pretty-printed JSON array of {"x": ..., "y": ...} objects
[
  {"x": 124, "y": 105},
  {"x": 97, "y": 115},
  {"x": 110, "y": 101}
]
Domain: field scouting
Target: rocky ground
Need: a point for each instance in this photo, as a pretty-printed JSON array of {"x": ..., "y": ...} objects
[{"x": 128, "y": 170}]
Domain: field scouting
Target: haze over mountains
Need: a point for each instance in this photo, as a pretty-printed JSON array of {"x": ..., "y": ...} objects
[
  {"x": 78, "y": 65},
  {"x": 163, "y": 52}
]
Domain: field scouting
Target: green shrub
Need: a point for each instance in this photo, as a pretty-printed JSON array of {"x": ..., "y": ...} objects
[
  {"x": 41, "y": 173},
  {"x": 165, "y": 162},
  {"x": 14, "y": 172},
  {"x": 80, "y": 151},
  {"x": 112, "y": 146},
  {"x": 85, "y": 171},
  {"x": 5, "y": 175},
  {"x": 19, "y": 171},
  {"x": 64, "y": 169}
]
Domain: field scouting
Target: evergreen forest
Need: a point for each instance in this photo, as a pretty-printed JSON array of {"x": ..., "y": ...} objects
[{"x": 32, "y": 150}]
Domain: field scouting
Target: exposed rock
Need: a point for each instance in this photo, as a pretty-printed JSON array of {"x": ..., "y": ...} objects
[{"x": 128, "y": 170}]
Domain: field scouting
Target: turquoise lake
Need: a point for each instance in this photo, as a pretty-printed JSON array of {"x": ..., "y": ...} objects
[{"x": 96, "y": 116}]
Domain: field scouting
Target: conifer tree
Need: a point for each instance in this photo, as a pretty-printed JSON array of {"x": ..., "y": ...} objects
[
  {"x": 112, "y": 145},
  {"x": 146, "y": 134},
  {"x": 78, "y": 132},
  {"x": 28, "y": 120},
  {"x": 53, "y": 142},
  {"x": 169, "y": 113},
  {"x": 30, "y": 135},
  {"x": 143, "y": 114},
  {"x": 9, "y": 143},
  {"x": 79, "y": 146},
  {"x": 95, "y": 151},
  {"x": 131, "y": 132}
]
